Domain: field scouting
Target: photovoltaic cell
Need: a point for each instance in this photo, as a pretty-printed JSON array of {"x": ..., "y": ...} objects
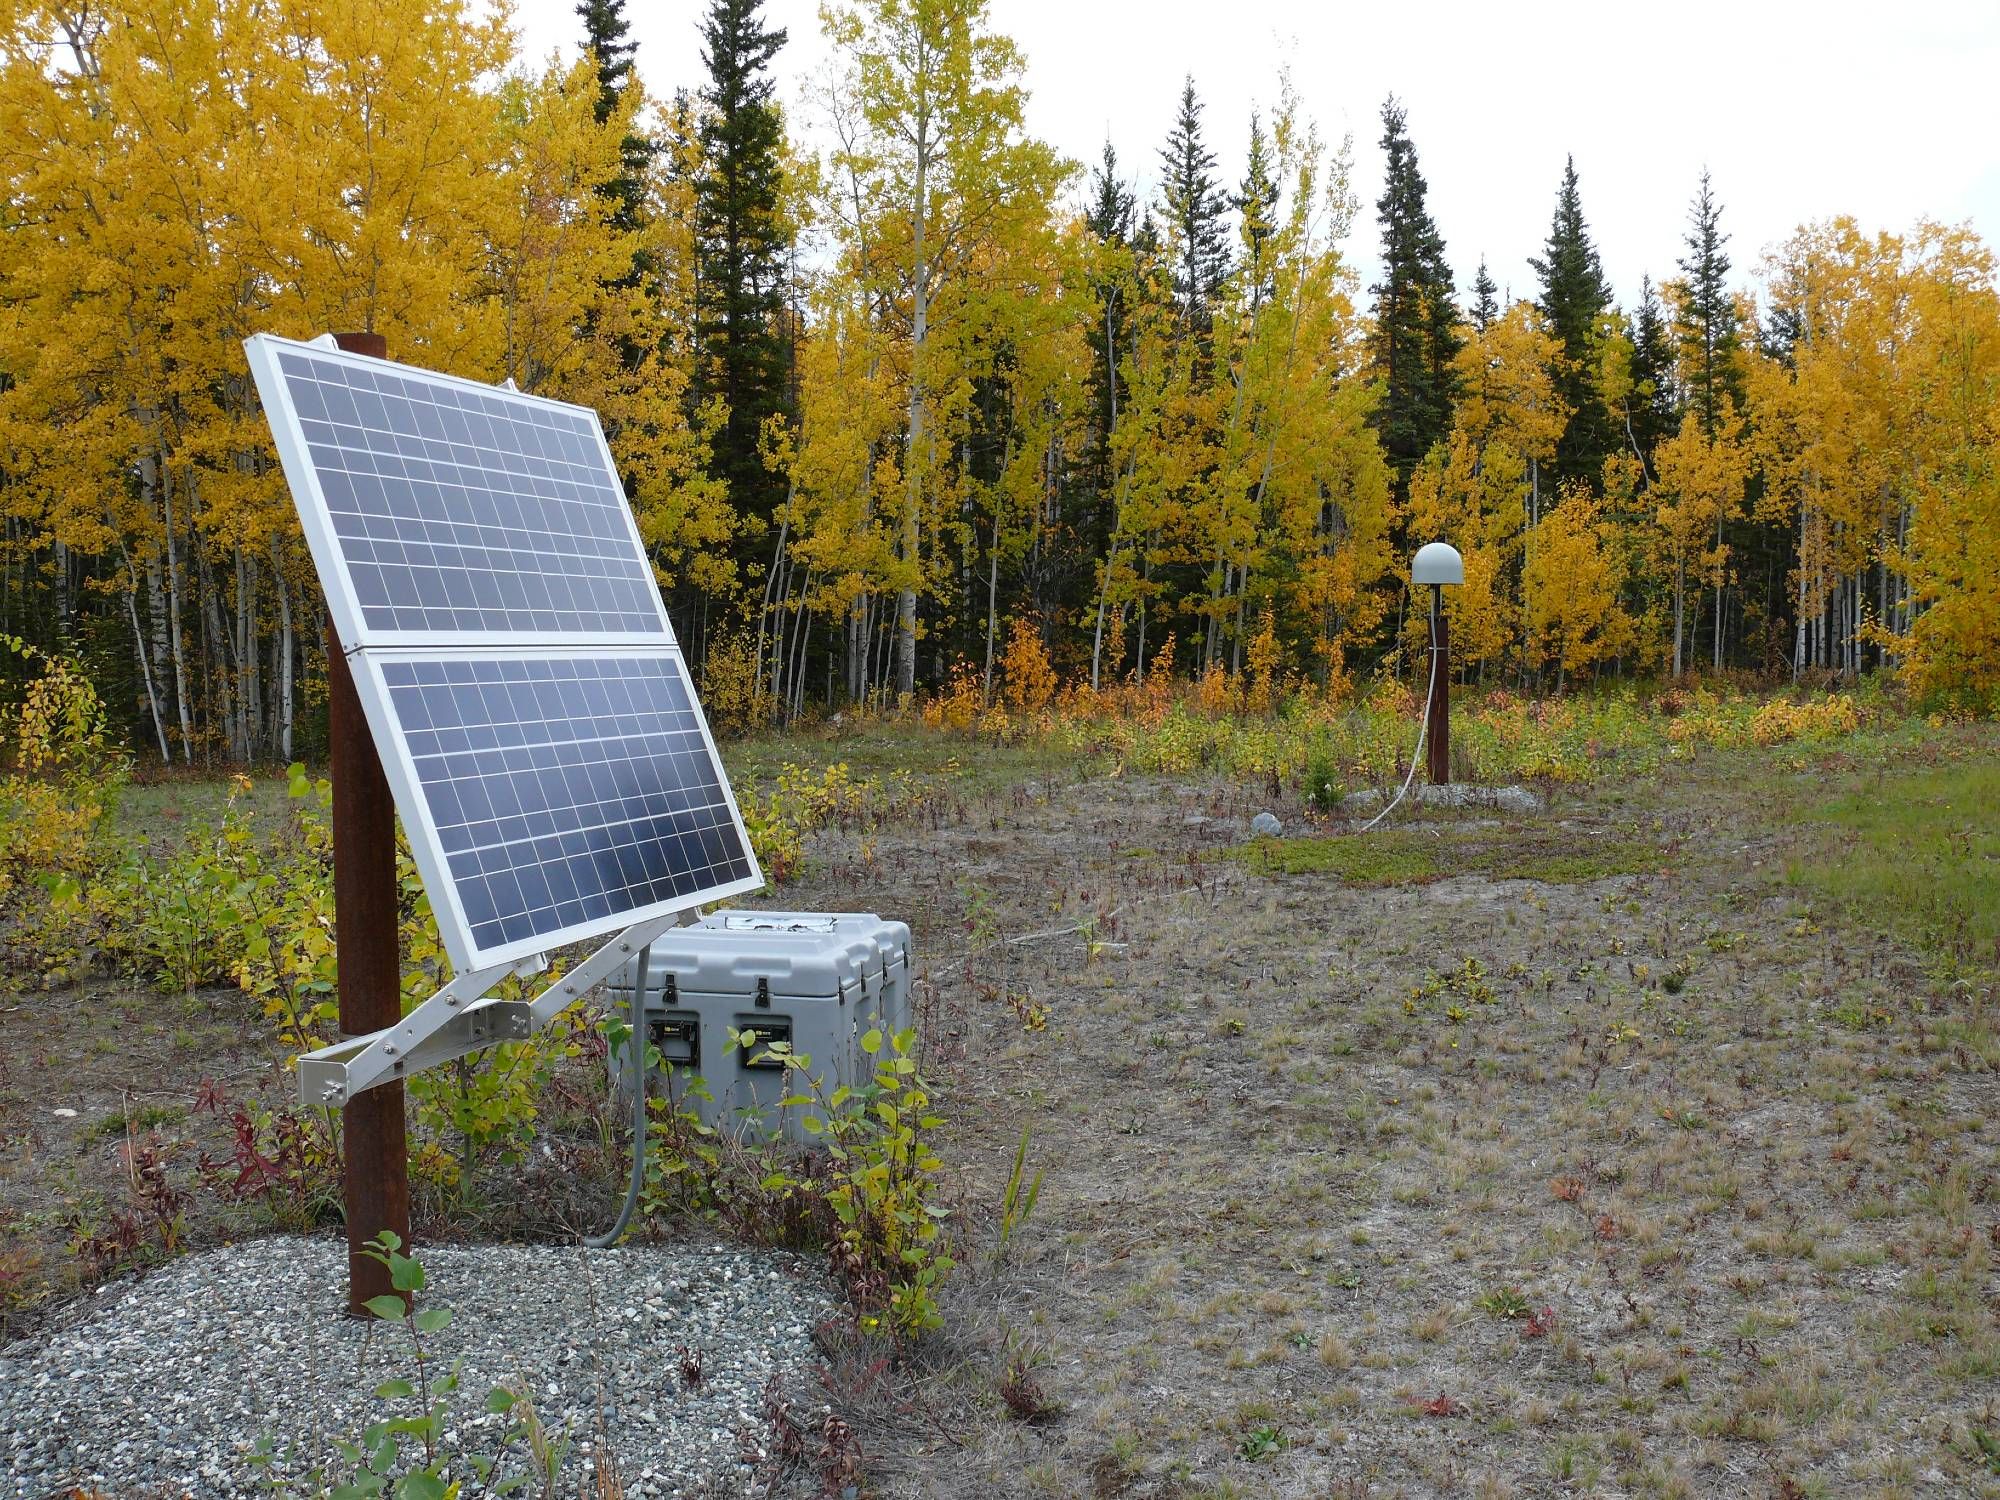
[
  {"x": 468, "y": 508},
  {"x": 565, "y": 791},
  {"x": 537, "y": 727}
]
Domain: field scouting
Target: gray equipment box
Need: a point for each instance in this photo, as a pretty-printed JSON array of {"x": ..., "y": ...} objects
[{"x": 816, "y": 980}]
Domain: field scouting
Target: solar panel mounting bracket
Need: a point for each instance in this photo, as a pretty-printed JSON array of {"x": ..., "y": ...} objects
[{"x": 461, "y": 1018}]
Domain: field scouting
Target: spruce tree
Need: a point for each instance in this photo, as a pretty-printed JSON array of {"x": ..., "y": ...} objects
[
  {"x": 1111, "y": 204},
  {"x": 1710, "y": 368},
  {"x": 1652, "y": 413},
  {"x": 1708, "y": 332},
  {"x": 741, "y": 245},
  {"x": 1485, "y": 298},
  {"x": 1194, "y": 207},
  {"x": 1416, "y": 320},
  {"x": 604, "y": 30},
  {"x": 1109, "y": 220},
  {"x": 604, "y": 37},
  {"x": 1574, "y": 299}
]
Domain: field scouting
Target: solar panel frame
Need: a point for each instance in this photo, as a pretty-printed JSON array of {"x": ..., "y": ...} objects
[
  {"x": 329, "y": 549},
  {"x": 376, "y": 652},
  {"x": 393, "y": 742}
]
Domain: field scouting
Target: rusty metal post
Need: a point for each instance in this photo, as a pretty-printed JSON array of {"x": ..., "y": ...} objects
[
  {"x": 377, "y": 1165},
  {"x": 1437, "y": 711}
]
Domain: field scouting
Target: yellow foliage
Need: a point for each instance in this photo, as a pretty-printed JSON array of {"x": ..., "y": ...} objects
[
  {"x": 1508, "y": 377},
  {"x": 53, "y": 797},
  {"x": 1571, "y": 586},
  {"x": 1027, "y": 681},
  {"x": 1148, "y": 700},
  {"x": 1214, "y": 693},
  {"x": 60, "y": 721},
  {"x": 1698, "y": 490},
  {"x": 956, "y": 705},
  {"x": 1259, "y": 696},
  {"x": 730, "y": 694},
  {"x": 1779, "y": 721}
]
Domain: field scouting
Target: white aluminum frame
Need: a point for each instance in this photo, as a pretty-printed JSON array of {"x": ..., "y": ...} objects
[
  {"x": 401, "y": 768},
  {"x": 460, "y": 1018}
]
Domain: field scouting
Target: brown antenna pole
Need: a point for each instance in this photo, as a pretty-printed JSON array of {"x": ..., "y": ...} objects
[
  {"x": 365, "y": 934},
  {"x": 1438, "y": 709}
]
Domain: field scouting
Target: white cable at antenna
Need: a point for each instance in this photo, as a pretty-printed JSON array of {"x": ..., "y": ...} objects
[{"x": 1417, "y": 755}]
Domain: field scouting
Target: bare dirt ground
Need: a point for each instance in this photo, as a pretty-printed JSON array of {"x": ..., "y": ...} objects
[
  {"x": 1636, "y": 1176},
  {"x": 1579, "y": 1153},
  {"x": 87, "y": 1073}
]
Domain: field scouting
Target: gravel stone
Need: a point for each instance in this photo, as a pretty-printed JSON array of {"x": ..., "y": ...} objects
[
  {"x": 167, "y": 1389},
  {"x": 1266, "y": 825}
]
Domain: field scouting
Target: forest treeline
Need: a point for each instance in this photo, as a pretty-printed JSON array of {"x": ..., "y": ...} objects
[{"x": 887, "y": 377}]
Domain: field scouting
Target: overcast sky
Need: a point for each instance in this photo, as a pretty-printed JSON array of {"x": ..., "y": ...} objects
[{"x": 1799, "y": 110}]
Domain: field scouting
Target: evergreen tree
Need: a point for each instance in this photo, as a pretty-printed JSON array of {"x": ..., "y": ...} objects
[
  {"x": 1574, "y": 299},
  {"x": 604, "y": 29},
  {"x": 1110, "y": 222},
  {"x": 1708, "y": 332},
  {"x": 1416, "y": 320},
  {"x": 1778, "y": 336},
  {"x": 741, "y": 244},
  {"x": 1112, "y": 204},
  {"x": 604, "y": 38},
  {"x": 1194, "y": 207},
  {"x": 1651, "y": 412},
  {"x": 1710, "y": 369},
  {"x": 1485, "y": 298}
]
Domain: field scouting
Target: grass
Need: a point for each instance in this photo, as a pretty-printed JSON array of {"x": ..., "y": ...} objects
[
  {"x": 1918, "y": 850},
  {"x": 883, "y": 747},
  {"x": 146, "y": 1117},
  {"x": 1414, "y": 856},
  {"x": 165, "y": 807}
]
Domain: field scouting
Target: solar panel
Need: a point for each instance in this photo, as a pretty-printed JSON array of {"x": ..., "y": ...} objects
[
  {"x": 459, "y": 510},
  {"x": 513, "y": 656},
  {"x": 563, "y": 793}
]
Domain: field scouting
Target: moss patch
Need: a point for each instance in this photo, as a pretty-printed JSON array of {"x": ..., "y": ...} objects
[
  {"x": 1395, "y": 858},
  {"x": 1402, "y": 857}
]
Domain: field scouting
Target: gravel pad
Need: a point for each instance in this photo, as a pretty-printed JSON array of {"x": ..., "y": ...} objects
[{"x": 165, "y": 1390}]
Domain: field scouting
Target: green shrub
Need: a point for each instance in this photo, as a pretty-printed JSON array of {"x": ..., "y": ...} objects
[
  {"x": 1324, "y": 782},
  {"x": 869, "y": 1197}
]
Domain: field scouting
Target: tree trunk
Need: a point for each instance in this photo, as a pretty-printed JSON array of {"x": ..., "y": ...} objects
[
  {"x": 61, "y": 550},
  {"x": 145, "y": 666},
  {"x": 764, "y": 609},
  {"x": 906, "y": 596},
  {"x": 1097, "y": 630},
  {"x": 174, "y": 617},
  {"x": 246, "y": 653},
  {"x": 1680, "y": 595},
  {"x": 1721, "y": 587},
  {"x": 992, "y": 608},
  {"x": 1236, "y": 646},
  {"x": 1146, "y": 577},
  {"x": 220, "y": 654},
  {"x": 285, "y": 653},
  {"x": 1799, "y": 626}
]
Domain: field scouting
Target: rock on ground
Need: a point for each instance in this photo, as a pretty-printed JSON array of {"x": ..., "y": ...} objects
[{"x": 169, "y": 1388}]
